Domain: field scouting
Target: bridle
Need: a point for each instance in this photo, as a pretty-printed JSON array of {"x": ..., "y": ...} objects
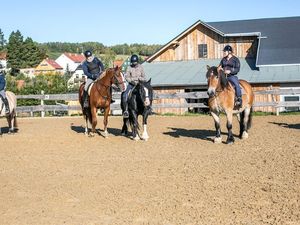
[{"x": 112, "y": 81}]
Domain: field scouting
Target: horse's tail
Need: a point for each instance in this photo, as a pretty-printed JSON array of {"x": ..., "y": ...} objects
[{"x": 249, "y": 124}]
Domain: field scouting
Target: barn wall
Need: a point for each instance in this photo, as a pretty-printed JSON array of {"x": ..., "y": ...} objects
[
  {"x": 187, "y": 47},
  {"x": 177, "y": 111},
  {"x": 265, "y": 98}
]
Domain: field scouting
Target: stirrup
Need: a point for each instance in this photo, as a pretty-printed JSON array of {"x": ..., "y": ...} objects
[{"x": 125, "y": 114}]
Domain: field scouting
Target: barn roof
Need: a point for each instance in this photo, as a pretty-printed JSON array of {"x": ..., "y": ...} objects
[
  {"x": 192, "y": 72},
  {"x": 278, "y": 38}
]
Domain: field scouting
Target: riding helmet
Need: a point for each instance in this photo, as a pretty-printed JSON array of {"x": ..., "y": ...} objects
[
  {"x": 134, "y": 59},
  {"x": 227, "y": 48},
  {"x": 88, "y": 53}
]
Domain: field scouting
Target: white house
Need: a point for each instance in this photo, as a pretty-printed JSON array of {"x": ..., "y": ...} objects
[
  {"x": 70, "y": 61},
  {"x": 77, "y": 78},
  {"x": 3, "y": 60}
]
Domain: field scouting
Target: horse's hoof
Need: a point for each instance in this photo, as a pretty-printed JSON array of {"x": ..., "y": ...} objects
[
  {"x": 145, "y": 137},
  {"x": 105, "y": 134},
  {"x": 229, "y": 141},
  {"x": 123, "y": 134},
  {"x": 136, "y": 138},
  {"x": 91, "y": 135},
  {"x": 245, "y": 135},
  {"x": 218, "y": 140}
]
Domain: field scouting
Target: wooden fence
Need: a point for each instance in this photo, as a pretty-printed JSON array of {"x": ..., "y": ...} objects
[{"x": 188, "y": 95}]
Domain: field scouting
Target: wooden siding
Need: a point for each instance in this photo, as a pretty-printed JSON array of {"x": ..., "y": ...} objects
[
  {"x": 186, "y": 48},
  {"x": 177, "y": 111},
  {"x": 265, "y": 98}
]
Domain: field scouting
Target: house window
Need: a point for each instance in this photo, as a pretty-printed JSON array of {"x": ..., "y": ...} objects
[
  {"x": 202, "y": 51},
  {"x": 291, "y": 99}
]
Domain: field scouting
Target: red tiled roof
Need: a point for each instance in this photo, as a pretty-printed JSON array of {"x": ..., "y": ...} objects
[
  {"x": 54, "y": 64},
  {"x": 3, "y": 55},
  {"x": 77, "y": 58}
]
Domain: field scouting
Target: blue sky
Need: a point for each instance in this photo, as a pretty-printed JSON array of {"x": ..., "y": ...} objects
[{"x": 115, "y": 22}]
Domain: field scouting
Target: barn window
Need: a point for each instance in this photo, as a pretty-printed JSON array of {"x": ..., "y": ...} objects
[{"x": 202, "y": 51}]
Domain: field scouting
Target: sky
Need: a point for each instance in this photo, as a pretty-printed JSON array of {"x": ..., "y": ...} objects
[{"x": 114, "y": 22}]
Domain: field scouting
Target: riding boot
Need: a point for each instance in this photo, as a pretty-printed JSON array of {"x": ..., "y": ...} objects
[
  {"x": 85, "y": 99},
  {"x": 5, "y": 101},
  {"x": 238, "y": 102}
]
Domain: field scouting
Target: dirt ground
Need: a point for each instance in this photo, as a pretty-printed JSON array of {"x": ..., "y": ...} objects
[{"x": 51, "y": 173}]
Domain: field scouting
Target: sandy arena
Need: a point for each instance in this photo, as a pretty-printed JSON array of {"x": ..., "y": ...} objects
[{"x": 51, "y": 173}]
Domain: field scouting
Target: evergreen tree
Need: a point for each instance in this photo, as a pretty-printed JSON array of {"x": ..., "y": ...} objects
[
  {"x": 33, "y": 55},
  {"x": 2, "y": 41},
  {"x": 15, "y": 50}
]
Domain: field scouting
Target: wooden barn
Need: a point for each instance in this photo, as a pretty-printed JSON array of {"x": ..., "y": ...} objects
[{"x": 269, "y": 51}]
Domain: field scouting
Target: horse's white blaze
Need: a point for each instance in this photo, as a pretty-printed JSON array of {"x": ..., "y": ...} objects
[
  {"x": 145, "y": 135},
  {"x": 147, "y": 100}
]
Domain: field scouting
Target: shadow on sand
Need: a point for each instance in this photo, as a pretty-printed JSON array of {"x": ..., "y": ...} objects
[{"x": 286, "y": 125}]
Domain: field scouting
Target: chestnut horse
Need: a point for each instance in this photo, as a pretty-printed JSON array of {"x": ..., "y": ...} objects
[
  {"x": 100, "y": 97},
  {"x": 222, "y": 99},
  {"x": 11, "y": 118}
]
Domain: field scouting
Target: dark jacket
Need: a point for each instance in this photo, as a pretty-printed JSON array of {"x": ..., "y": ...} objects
[
  {"x": 93, "y": 69},
  {"x": 233, "y": 64},
  {"x": 2, "y": 82}
]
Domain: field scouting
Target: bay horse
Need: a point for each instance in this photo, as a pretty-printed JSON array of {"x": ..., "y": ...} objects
[
  {"x": 11, "y": 117},
  {"x": 222, "y": 99},
  {"x": 139, "y": 103},
  {"x": 100, "y": 97}
]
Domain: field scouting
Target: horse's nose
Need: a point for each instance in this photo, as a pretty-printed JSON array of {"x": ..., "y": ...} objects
[{"x": 211, "y": 92}]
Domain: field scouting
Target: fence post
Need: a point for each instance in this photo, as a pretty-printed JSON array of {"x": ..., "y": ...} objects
[{"x": 42, "y": 103}]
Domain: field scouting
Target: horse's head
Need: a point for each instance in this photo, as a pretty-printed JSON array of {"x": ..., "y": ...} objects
[
  {"x": 146, "y": 92},
  {"x": 215, "y": 79},
  {"x": 119, "y": 79}
]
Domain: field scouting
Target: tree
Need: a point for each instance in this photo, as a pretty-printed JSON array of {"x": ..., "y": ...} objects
[
  {"x": 15, "y": 50},
  {"x": 109, "y": 58},
  {"x": 33, "y": 55},
  {"x": 2, "y": 41}
]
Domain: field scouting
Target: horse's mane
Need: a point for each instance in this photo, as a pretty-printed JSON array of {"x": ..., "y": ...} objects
[{"x": 223, "y": 81}]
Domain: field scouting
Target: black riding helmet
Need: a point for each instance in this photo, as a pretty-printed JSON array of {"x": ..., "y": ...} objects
[
  {"x": 134, "y": 59},
  {"x": 227, "y": 48},
  {"x": 88, "y": 53}
]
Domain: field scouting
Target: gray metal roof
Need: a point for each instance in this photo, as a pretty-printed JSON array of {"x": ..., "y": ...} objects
[
  {"x": 279, "y": 41},
  {"x": 193, "y": 72}
]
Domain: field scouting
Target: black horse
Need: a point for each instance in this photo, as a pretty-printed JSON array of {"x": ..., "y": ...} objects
[{"x": 139, "y": 103}]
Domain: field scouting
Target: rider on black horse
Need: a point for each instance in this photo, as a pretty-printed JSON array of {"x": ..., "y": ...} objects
[
  {"x": 231, "y": 67},
  {"x": 2, "y": 90},
  {"x": 134, "y": 74}
]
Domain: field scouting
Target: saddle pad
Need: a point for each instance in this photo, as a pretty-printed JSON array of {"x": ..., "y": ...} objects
[{"x": 89, "y": 88}]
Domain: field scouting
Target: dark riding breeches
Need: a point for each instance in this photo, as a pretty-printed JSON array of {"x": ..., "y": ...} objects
[
  {"x": 235, "y": 82},
  {"x": 126, "y": 92}
]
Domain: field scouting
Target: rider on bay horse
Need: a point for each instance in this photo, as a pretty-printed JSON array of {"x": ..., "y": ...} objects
[
  {"x": 92, "y": 68},
  {"x": 2, "y": 90},
  {"x": 134, "y": 74},
  {"x": 231, "y": 66}
]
